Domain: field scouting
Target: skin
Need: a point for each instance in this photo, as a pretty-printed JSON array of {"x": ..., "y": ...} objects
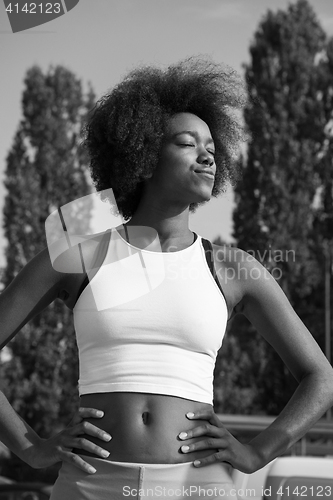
[
  {"x": 153, "y": 428},
  {"x": 135, "y": 420}
]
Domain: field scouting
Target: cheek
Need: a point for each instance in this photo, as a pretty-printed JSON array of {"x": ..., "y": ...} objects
[{"x": 170, "y": 165}]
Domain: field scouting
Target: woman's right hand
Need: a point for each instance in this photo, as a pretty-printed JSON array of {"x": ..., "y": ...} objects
[{"x": 59, "y": 447}]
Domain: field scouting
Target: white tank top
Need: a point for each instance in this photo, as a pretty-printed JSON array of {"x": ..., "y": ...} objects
[{"x": 150, "y": 322}]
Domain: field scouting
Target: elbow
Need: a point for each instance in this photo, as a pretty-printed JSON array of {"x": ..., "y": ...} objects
[
  {"x": 325, "y": 386},
  {"x": 329, "y": 385},
  {"x": 321, "y": 381}
]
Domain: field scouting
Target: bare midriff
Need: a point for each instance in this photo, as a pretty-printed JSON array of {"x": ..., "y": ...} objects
[{"x": 144, "y": 427}]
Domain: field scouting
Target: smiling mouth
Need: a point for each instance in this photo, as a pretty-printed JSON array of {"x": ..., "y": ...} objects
[{"x": 208, "y": 175}]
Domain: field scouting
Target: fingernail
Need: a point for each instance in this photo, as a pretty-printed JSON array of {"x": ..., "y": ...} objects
[
  {"x": 183, "y": 435},
  {"x": 91, "y": 470},
  {"x": 105, "y": 453},
  {"x": 196, "y": 463},
  {"x": 190, "y": 414},
  {"x": 107, "y": 437},
  {"x": 185, "y": 448},
  {"x": 100, "y": 413}
]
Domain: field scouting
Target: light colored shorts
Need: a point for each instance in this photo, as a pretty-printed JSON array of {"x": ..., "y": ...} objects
[{"x": 137, "y": 481}]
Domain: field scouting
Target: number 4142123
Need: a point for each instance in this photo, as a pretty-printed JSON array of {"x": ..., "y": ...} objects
[
  {"x": 303, "y": 491},
  {"x": 33, "y": 8}
]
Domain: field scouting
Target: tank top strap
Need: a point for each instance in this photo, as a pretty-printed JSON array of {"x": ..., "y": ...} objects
[
  {"x": 98, "y": 260},
  {"x": 208, "y": 247}
]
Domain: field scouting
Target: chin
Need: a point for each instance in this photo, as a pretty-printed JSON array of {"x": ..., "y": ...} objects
[{"x": 203, "y": 196}]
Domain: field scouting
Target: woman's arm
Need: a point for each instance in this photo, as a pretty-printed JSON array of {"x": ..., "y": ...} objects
[
  {"x": 266, "y": 306},
  {"x": 33, "y": 289}
]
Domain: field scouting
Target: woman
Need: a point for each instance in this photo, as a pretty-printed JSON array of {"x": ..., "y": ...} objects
[{"x": 164, "y": 142}]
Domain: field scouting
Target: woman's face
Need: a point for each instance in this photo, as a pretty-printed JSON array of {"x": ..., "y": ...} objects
[{"x": 186, "y": 168}]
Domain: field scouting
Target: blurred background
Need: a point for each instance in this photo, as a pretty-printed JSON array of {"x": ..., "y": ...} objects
[{"x": 281, "y": 211}]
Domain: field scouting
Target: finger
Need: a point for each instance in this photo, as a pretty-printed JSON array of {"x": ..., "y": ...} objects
[
  {"x": 90, "y": 412},
  {"x": 83, "y": 413},
  {"x": 90, "y": 429},
  {"x": 204, "y": 444},
  {"x": 219, "y": 456},
  {"x": 85, "y": 444},
  {"x": 203, "y": 430},
  {"x": 76, "y": 460},
  {"x": 207, "y": 414}
]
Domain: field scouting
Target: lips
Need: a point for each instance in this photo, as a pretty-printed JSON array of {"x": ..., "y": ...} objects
[{"x": 205, "y": 171}]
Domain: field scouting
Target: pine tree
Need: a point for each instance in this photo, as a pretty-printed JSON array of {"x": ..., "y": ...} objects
[
  {"x": 46, "y": 168},
  {"x": 282, "y": 176}
]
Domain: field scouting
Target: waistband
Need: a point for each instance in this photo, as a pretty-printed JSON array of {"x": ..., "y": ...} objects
[
  {"x": 223, "y": 470},
  {"x": 116, "y": 480}
]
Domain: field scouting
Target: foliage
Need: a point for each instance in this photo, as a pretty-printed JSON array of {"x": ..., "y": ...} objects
[
  {"x": 285, "y": 194},
  {"x": 46, "y": 168}
]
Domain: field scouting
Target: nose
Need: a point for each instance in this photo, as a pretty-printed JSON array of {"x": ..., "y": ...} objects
[{"x": 206, "y": 158}]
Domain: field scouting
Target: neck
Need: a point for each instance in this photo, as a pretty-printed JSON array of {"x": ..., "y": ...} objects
[{"x": 170, "y": 223}]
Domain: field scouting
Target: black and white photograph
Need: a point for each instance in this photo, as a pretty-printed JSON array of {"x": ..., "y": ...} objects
[{"x": 166, "y": 249}]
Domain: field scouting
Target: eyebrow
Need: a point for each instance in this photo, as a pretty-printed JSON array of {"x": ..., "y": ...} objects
[{"x": 193, "y": 134}]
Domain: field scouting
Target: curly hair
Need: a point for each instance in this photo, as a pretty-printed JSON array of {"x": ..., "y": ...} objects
[{"x": 124, "y": 133}]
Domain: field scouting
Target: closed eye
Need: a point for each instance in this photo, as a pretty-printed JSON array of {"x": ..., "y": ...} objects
[{"x": 193, "y": 145}]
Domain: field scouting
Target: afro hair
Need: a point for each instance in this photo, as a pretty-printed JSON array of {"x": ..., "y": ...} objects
[{"x": 125, "y": 130}]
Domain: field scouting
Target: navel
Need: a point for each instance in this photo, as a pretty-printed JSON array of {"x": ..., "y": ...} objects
[{"x": 145, "y": 417}]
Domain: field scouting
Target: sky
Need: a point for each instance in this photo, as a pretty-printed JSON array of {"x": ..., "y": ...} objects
[{"x": 101, "y": 40}]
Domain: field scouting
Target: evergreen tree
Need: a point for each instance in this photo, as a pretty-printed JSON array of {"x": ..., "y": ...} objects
[
  {"x": 46, "y": 168},
  {"x": 282, "y": 176}
]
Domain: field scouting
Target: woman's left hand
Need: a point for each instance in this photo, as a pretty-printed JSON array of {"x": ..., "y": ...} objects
[{"x": 243, "y": 457}]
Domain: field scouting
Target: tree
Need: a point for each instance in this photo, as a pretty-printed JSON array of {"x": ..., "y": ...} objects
[
  {"x": 46, "y": 168},
  {"x": 282, "y": 177}
]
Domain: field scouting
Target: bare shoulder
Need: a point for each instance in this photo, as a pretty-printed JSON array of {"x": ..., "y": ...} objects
[
  {"x": 53, "y": 273},
  {"x": 227, "y": 261},
  {"x": 75, "y": 255},
  {"x": 263, "y": 302},
  {"x": 75, "y": 261},
  {"x": 230, "y": 255},
  {"x": 239, "y": 272}
]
